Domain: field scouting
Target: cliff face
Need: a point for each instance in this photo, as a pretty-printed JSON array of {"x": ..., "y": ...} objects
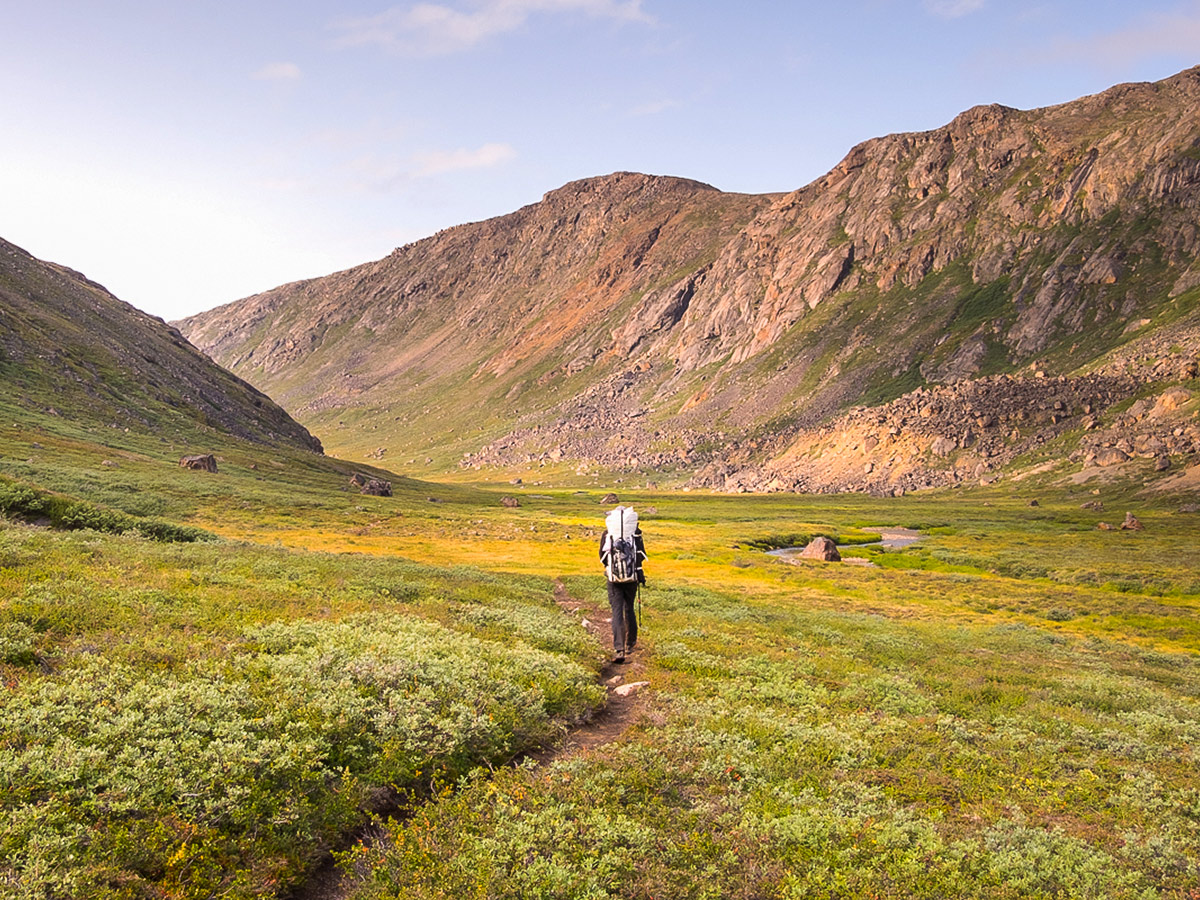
[
  {"x": 1061, "y": 204},
  {"x": 643, "y": 322},
  {"x": 68, "y": 345}
]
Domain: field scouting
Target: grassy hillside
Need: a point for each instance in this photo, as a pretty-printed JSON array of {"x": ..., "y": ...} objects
[{"x": 72, "y": 351}]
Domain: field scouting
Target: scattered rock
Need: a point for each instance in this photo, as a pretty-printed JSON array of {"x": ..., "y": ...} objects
[
  {"x": 1093, "y": 504},
  {"x": 1104, "y": 526},
  {"x": 610, "y": 498},
  {"x": 1034, "y": 503},
  {"x": 375, "y": 487},
  {"x": 1162, "y": 464},
  {"x": 1172, "y": 400},
  {"x": 203, "y": 463},
  {"x": 510, "y": 502},
  {"x": 1110, "y": 456},
  {"x": 943, "y": 446},
  {"x": 633, "y": 687},
  {"x": 1131, "y": 523},
  {"x": 821, "y": 548}
]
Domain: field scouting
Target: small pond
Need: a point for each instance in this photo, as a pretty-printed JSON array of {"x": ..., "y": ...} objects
[{"x": 891, "y": 537}]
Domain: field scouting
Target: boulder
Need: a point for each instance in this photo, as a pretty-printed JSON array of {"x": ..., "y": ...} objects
[
  {"x": 1172, "y": 400},
  {"x": 1131, "y": 523},
  {"x": 510, "y": 502},
  {"x": 375, "y": 487},
  {"x": 943, "y": 446},
  {"x": 610, "y": 498},
  {"x": 1110, "y": 456},
  {"x": 203, "y": 463},
  {"x": 821, "y": 548}
]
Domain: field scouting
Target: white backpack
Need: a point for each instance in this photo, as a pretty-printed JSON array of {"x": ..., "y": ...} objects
[{"x": 620, "y": 552}]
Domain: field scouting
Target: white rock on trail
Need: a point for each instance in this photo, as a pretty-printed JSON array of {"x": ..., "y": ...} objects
[{"x": 633, "y": 687}]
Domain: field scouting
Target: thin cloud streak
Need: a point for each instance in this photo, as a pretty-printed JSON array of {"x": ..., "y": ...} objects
[
  {"x": 953, "y": 9},
  {"x": 431, "y": 29},
  {"x": 654, "y": 108},
  {"x": 382, "y": 174},
  {"x": 278, "y": 71},
  {"x": 1177, "y": 33},
  {"x": 441, "y": 162}
]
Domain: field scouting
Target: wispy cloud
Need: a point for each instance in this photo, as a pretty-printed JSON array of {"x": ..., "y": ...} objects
[
  {"x": 278, "y": 71},
  {"x": 440, "y": 162},
  {"x": 1155, "y": 35},
  {"x": 384, "y": 173},
  {"x": 653, "y": 108},
  {"x": 431, "y": 29},
  {"x": 952, "y": 9}
]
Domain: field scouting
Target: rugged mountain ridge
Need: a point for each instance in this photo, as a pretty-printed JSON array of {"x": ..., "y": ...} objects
[
  {"x": 644, "y": 323},
  {"x": 70, "y": 348}
]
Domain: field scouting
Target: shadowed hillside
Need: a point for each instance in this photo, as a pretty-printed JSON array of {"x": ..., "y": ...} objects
[{"x": 71, "y": 350}]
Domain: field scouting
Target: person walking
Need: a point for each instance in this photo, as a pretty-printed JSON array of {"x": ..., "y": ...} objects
[{"x": 622, "y": 550}]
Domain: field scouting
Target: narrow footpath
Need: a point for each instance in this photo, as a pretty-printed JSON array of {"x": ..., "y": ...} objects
[{"x": 624, "y": 707}]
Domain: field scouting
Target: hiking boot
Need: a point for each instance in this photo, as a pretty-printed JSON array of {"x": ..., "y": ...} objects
[{"x": 618, "y": 656}]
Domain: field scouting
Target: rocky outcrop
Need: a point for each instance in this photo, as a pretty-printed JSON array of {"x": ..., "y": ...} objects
[
  {"x": 202, "y": 463},
  {"x": 374, "y": 487}
]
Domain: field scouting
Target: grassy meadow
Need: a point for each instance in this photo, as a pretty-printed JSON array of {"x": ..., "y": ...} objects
[{"x": 209, "y": 681}]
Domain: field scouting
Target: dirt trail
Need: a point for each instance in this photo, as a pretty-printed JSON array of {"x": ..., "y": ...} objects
[{"x": 619, "y": 713}]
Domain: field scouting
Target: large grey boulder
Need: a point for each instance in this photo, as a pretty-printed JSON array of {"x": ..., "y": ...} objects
[{"x": 821, "y": 548}]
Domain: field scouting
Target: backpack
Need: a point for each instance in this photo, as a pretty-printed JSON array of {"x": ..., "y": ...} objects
[{"x": 620, "y": 552}]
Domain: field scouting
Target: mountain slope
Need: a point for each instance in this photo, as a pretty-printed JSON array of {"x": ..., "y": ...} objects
[
  {"x": 649, "y": 323},
  {"x": 71, "y": 349}
]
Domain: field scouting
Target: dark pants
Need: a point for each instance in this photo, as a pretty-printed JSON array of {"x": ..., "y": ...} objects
[{"x": 621, "y": 597}]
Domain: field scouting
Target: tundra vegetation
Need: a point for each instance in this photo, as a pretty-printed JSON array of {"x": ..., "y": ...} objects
[{"x": 212, "y": 680}]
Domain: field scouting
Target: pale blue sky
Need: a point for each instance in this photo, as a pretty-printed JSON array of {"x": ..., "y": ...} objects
[{"x": 188, "y": 154}]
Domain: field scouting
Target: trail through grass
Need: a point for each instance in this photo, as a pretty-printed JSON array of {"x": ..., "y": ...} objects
[{"x": 1008, "y": 708}]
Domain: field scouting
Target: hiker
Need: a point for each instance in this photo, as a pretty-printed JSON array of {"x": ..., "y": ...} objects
[{"x": 622, "y": 551}]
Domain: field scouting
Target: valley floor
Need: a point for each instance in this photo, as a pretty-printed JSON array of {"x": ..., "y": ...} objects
[{"x": 1009, "y": 707}]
